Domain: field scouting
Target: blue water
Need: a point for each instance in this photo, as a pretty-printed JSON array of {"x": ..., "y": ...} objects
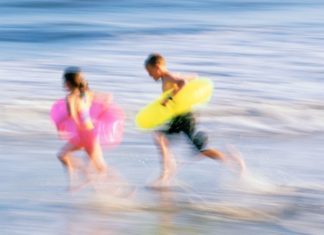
[{"x": 266, "y": 59}]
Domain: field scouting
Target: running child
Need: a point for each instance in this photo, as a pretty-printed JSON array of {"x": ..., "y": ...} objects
[
  {"x": 79, "y": 100},
  {"x": 185, "y": 123}
]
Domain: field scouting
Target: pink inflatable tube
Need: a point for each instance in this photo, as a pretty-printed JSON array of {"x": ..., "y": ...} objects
[{"x": 108, "y": 122}]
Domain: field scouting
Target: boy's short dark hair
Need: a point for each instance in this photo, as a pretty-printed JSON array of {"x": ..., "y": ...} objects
[{"x": 154, "y": 59}]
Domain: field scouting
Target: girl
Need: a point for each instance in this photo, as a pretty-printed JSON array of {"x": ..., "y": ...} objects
[{"x": 78, "y": 102}]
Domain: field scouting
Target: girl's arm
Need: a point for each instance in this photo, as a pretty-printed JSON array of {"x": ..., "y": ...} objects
[
  {"x": 72, "y": 109},
  {"x": 103, "y": 98}
]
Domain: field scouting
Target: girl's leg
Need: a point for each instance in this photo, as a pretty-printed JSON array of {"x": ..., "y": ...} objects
[
  {"x": 97, "y": 167},
  {"x": 96, "y": 158},
  {"x": 105, "y": 179},
  {"x": 71, "y": 163}
]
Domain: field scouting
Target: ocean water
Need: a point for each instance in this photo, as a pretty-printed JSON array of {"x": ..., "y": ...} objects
[{"x": 266, "y": 59}]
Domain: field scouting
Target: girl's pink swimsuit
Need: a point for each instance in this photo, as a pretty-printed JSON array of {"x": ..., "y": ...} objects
[{"x": 87, "y": 135}]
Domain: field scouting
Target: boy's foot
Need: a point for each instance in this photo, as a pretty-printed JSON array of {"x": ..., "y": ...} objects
[
  {"x": 165, "y": 180},
  {"x": 236, "y": 157}
]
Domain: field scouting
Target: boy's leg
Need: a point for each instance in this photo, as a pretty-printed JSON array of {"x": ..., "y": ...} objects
[
  {"x": 168, "y": 164},
  {"x": 228, "y": 159},
  {"x": 200, "y": 140},
  {"x": 213, "y": 154}
]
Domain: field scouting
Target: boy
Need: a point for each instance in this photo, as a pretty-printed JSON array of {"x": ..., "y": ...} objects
[{"x": 156, "y": 67}]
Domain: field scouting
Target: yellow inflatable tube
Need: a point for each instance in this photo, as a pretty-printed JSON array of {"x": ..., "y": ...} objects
[{"x": 195, "y": 92}]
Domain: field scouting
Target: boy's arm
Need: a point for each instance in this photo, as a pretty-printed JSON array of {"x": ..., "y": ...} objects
[{"x": 180, "y": 82}]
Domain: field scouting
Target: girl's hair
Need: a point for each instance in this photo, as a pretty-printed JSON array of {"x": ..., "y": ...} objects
[
  {"x": 154, "y": 59},
  {"x": 73, "y": 79}
]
